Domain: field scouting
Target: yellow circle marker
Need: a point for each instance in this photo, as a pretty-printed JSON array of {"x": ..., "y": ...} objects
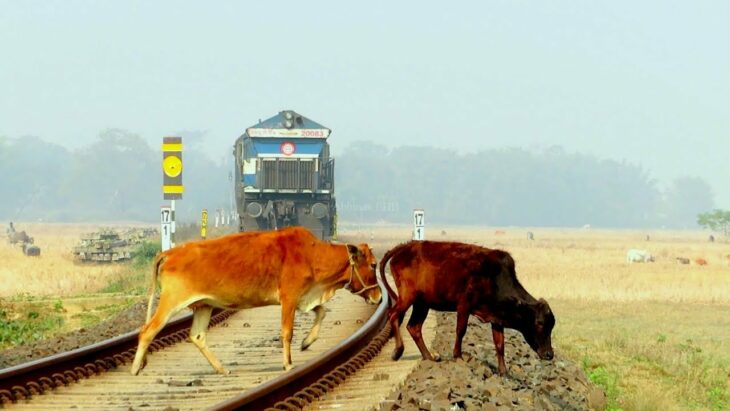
[{"x": 172, "y": 166}]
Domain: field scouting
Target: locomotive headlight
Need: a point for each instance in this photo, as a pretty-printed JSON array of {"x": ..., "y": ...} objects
[
  {"x": 254, "y": 210},
  {"x": 319, "y": 210}
]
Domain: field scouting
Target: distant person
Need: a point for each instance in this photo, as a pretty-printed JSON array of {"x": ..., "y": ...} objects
[
  {"x": 10, "y": 230},
  {"x": 711, "y": 238},
  {"x": 530, "y": 236},
  {"x": 648, "y": 237}
]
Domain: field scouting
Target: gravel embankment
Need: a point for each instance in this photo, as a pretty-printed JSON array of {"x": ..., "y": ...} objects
[{"x": 472, "y": 383}]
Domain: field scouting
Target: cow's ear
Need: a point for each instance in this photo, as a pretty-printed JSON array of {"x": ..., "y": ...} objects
[
  {"x": 352, "y": 250},
  {"x": 543, "y": 305}
]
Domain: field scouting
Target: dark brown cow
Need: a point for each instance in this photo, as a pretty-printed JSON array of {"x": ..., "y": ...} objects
[
  {"x": 289, "y": 267},
  {"x": 468, "y": 279}
]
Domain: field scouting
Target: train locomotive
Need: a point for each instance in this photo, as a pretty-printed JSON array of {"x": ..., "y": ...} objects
[{"x": 285, "y": 176}]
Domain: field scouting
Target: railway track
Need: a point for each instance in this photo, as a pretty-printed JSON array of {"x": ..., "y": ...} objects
[{"x": 177, "y": 376}]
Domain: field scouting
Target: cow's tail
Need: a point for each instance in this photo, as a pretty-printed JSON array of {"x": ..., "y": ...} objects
[
  {"x": 153, "y": 283},
  {"x": 391, "y": 294}
]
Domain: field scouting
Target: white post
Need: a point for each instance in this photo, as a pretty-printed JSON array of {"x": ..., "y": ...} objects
[
  {"x": 419, "y": 229},
  {"x": 166, "y": 228},
  {"x": 172, "y": 228}
]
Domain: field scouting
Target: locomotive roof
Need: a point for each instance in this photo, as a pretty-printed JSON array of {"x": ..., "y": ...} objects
[{"x": 288, "y": 123}]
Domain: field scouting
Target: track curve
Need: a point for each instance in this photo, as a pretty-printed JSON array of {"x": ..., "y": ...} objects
[{"x": 179, "y": 377}]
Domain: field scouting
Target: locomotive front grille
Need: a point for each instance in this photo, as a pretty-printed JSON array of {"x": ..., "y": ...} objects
[
  {"x": 306, "y": 175},
  {"x": 269, "y": 174},
  {"x": 287, "y": 174}
]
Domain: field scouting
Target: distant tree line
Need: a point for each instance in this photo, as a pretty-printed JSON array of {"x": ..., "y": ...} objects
[
  {"x": 118, "y": 177},
  {"x": 511, "y": 186}
]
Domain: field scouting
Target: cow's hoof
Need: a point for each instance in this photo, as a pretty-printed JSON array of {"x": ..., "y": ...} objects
[
  {"x": 437, "y": 357},
  {"x": 397, "y": 353},
  {"x": 288, "y": 367},
  {"x": 224, "y": 371},
  {"x": 305, "y": 345}
]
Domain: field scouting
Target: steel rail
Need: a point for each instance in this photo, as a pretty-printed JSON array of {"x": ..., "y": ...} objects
[
  {"x": 291, "y": 390},
  {"x": 302, "y": 385},
  {"x": 35, "y": 377}
]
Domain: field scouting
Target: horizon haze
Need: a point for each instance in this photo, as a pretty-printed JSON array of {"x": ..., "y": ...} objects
[{"x": 642, "y": 82}]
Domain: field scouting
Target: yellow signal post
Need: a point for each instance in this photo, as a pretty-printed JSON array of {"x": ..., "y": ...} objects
[
  {"x": 204, "y": 223},
  {"x": 172, "y": 168}
]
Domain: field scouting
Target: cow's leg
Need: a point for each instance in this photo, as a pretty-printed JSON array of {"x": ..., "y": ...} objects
[
  {"x": 314, "y": 332},
  {"x": 418, "y": 316},
  {"x": 462, "y": 320},
  {"x": 198, "y": 332},
  {"x": 498, "y": 337},
  {"x": 395, "y": 315},
  {"x": 165, "y": 309},
  {"x": 287, "y": 331}
]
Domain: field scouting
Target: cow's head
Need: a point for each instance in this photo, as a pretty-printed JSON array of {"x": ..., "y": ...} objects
[
  {"x": 538, "y": 328},
  {"x": 363, "y": 280}
]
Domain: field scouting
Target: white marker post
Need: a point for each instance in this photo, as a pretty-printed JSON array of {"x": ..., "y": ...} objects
[
  {"x": 419, "y": 229},
  {"x": 166, "y": 227}
]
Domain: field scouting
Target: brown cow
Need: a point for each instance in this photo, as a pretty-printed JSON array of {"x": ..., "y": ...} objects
[
  {"x": 468, "y": 279},
  {"x": 289, "y": 267},
  {"x": 700, "y": 261}
]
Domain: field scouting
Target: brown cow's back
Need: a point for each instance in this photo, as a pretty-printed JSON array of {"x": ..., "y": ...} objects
[
  {"x": 442, "y": 270},
  {"x": 217, "y": 266}
]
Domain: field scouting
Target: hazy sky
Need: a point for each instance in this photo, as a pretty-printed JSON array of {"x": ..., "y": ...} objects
[{"x": 645, "y": 81}]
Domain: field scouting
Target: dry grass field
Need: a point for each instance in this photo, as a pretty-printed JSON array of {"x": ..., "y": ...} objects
[
  {"x": 54, "y": 273},
  {"x": 656, "y": 335}
]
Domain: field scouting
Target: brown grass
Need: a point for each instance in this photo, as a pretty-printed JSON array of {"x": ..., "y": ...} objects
[
  {"x": 54, "y": 273},
  {"x": 655, "y": 335}
]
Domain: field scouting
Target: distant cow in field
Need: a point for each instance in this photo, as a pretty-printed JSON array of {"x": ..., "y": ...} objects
[
  {"x": 499, "y": 232},
  {"x": 682, "y": 260},
  {"x": 727, "y": 258},
  {"x": 639, "y": 256},
  {"x": 288, "y": 267},
  {"x": 468, "y": 279},
  {"x": 700, "y": 261}
]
